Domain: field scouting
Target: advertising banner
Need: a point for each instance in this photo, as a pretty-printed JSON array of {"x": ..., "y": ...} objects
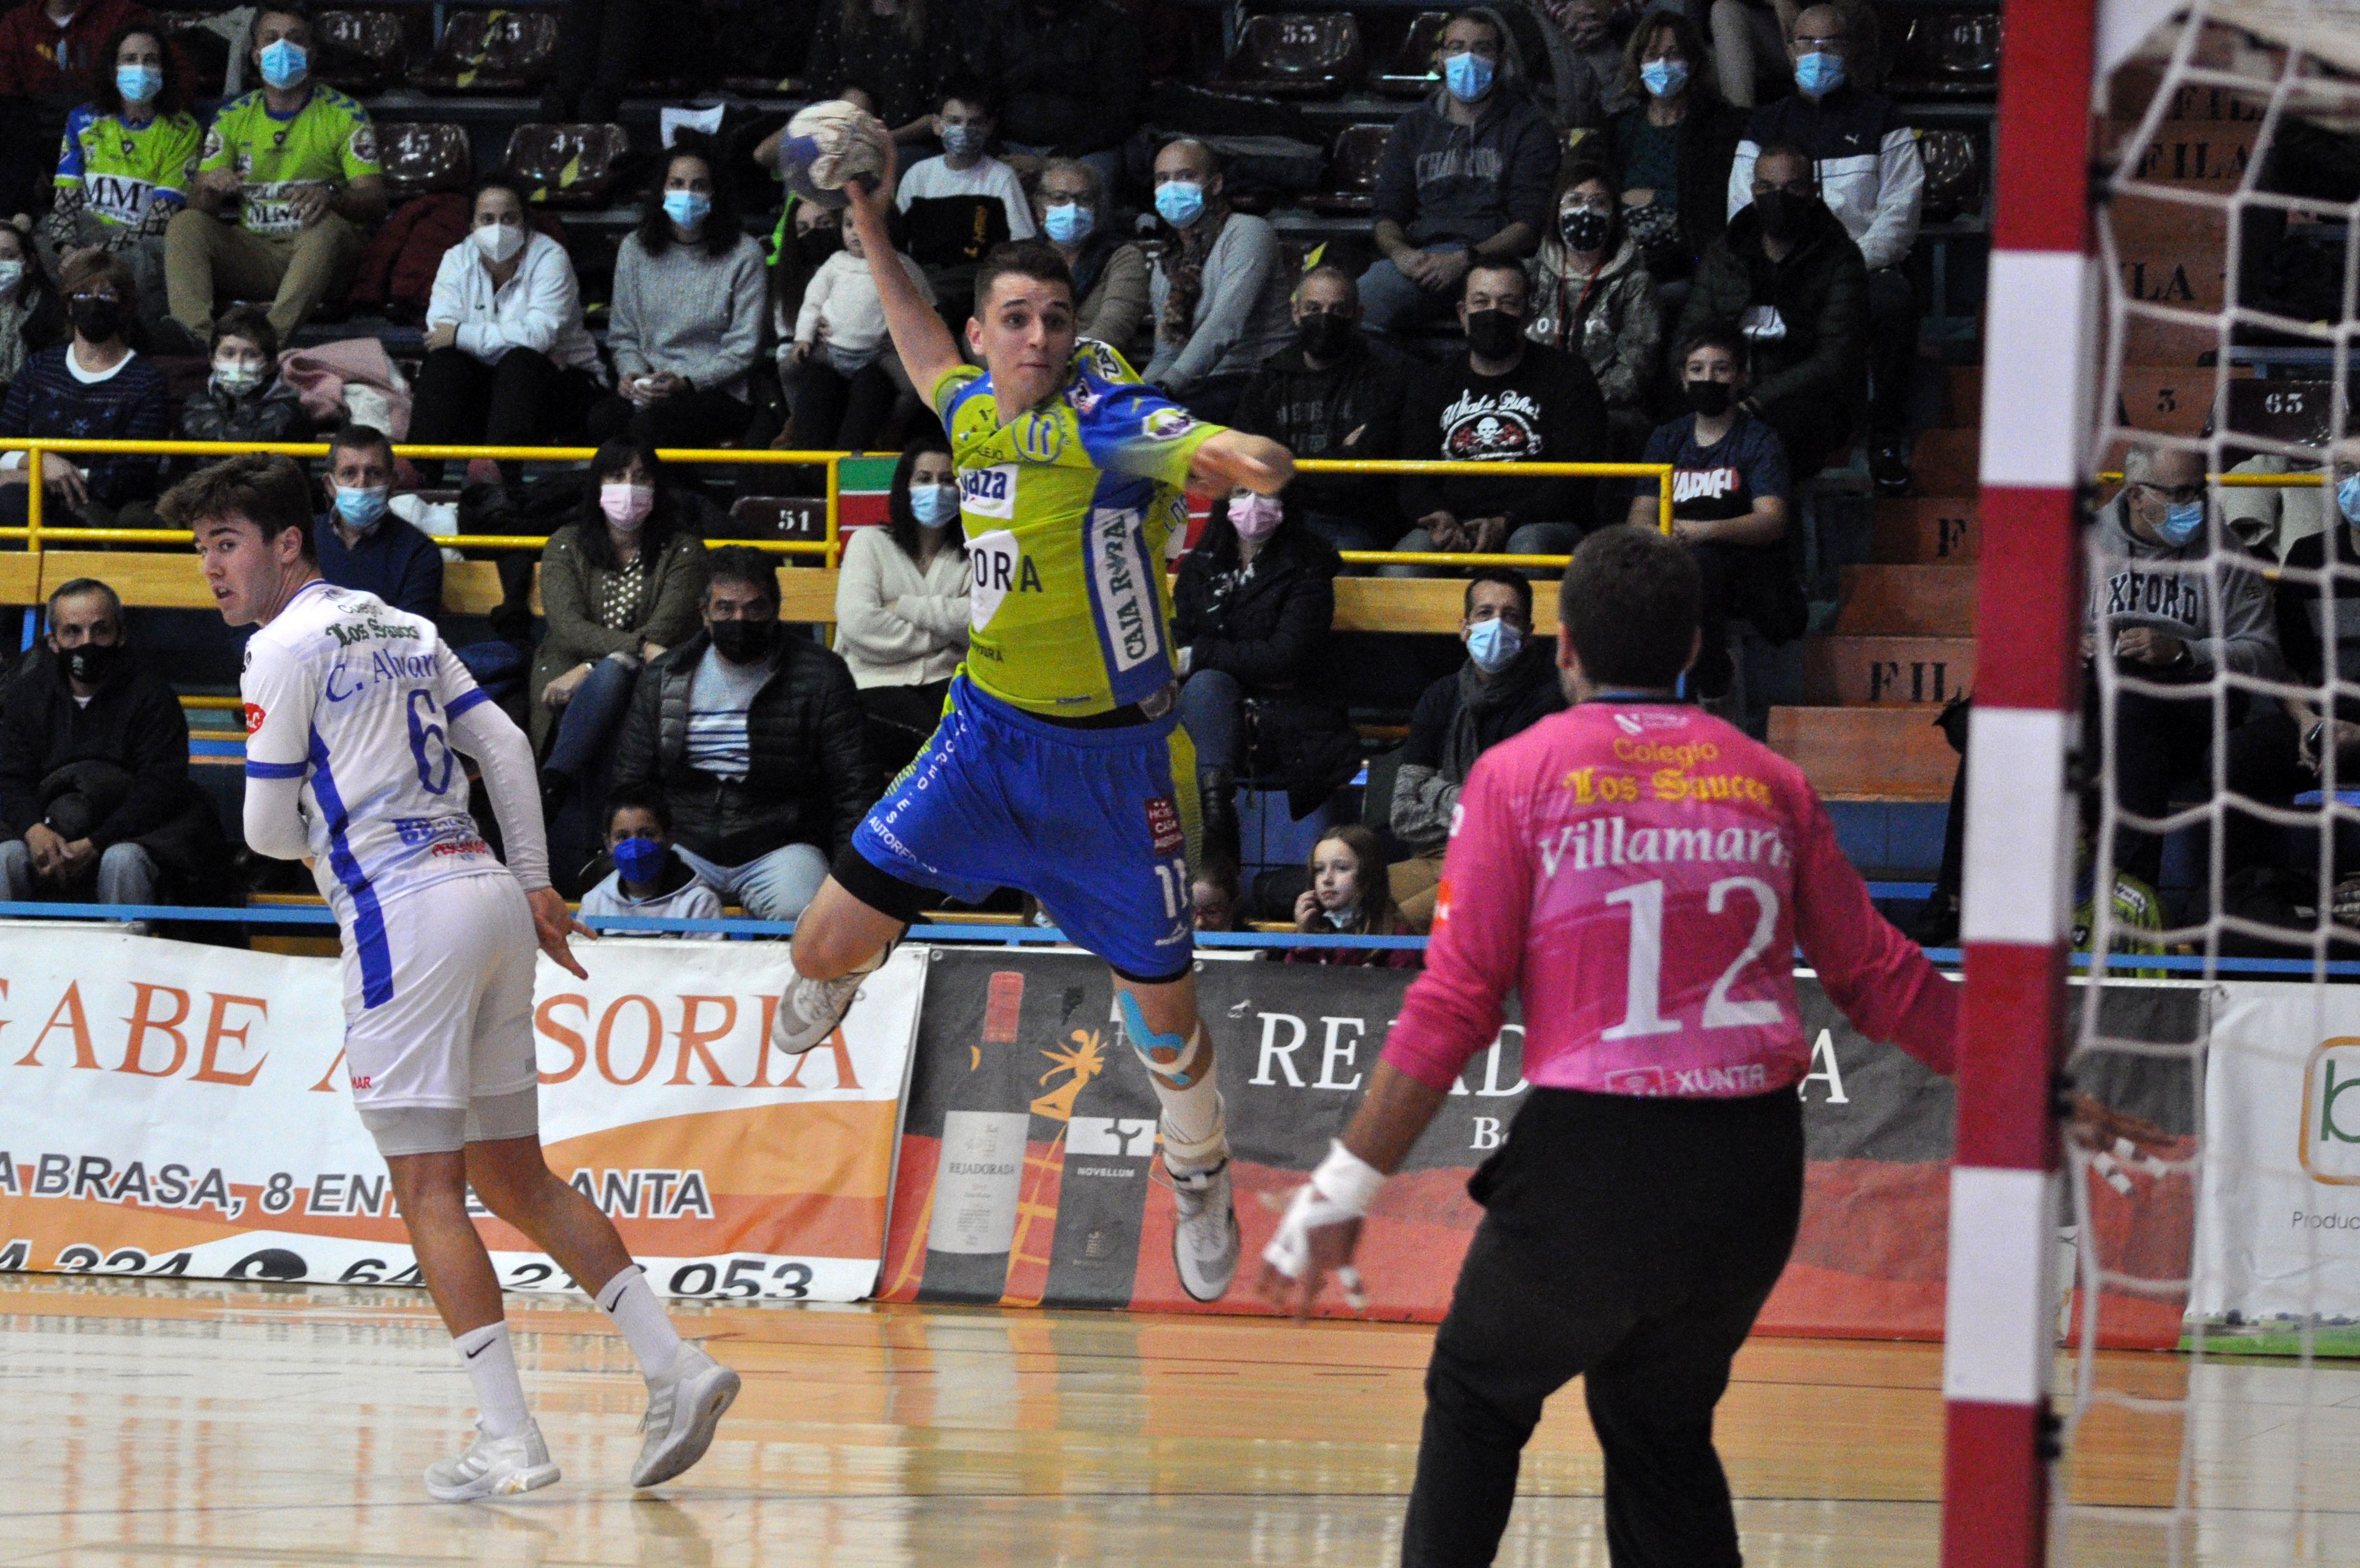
[
  {"x": 172, "y": 1109},
  {"x": 1026, "y": 1174}
]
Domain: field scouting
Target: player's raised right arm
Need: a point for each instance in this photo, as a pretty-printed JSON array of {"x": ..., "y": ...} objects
[{"x": 927, "y": 349}]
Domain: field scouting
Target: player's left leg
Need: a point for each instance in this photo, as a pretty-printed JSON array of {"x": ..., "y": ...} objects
[{"x": 1163, "y": 1025}]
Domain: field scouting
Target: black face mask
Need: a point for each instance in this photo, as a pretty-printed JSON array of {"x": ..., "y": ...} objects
[
  {"x": 1585, "y": 230},
  {"x": 1494, "y": 334},
  {"x": 816, "y": 245},
  {"x": 1782, "y": 212},
  {"x": 1323, "y": 336},
  {"x": 744, "y": 642},
  {"x": 97, "y": 319},
  {"x": 1711, "y": 398},
  {"x": 92, "y": 662}
]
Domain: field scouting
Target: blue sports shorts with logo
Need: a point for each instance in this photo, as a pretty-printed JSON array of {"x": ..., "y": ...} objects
[{"x": 1084, "y": 820}]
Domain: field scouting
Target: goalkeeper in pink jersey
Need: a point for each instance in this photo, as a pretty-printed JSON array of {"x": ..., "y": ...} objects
[{"x": 1642, "y": 873}]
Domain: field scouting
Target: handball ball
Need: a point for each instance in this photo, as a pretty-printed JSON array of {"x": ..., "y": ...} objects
[{"x": 828, "y": 145}]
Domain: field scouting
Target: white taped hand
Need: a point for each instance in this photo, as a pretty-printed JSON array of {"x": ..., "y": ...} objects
[{"x": 1339, "y": 1193}]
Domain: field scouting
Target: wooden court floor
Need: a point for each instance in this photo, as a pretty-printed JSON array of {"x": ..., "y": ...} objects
[{"x": 170, "y": 1422}]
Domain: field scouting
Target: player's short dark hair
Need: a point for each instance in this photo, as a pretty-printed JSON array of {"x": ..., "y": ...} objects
[
  {"x": 1515, "y": 579},
  {"x": 360, "y": 437},
  {"x": 264, "y": 488},
  {"x": 647, "y": 798},
  {"x": 251, "y": 322},
  {"x": 1037, "y": 259},
  {"x": 1719, "y": 335},
  {"x": 1629, "y": 603},
  {"x": 744, "y": 566}
]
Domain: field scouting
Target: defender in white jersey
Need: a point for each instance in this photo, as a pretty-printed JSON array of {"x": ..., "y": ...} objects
[{"x": 355, "y": 715}]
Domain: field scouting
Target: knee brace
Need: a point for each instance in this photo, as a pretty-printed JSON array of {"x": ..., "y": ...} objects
[{"x": 1167, "y": 1056}]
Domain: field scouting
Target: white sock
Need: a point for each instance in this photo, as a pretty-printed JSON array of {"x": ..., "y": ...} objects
[
  {"x": 1196, "y": 1131},
  {"x": 636, "y": 1310},
  {"x": 491, "y": 1367}
]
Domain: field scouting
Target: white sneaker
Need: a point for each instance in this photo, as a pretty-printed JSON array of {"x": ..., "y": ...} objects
[
  {"x": 1205, "y": 1239},
  {"x": 685, "y": 1404},
  {"x": 493, "y": 1467},
  {"x": 809, "y": 1009}
]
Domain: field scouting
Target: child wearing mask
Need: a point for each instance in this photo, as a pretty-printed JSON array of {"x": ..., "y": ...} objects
[
  {"x": 244, "y": 401},
  {"x": 1348, "y": 896},
  {"x": 959, "y": 205},
  {"x": 839, "y": 336},
  {"x": 648, "y": 879}
]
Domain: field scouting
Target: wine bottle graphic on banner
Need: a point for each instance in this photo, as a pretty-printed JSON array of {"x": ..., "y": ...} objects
[{"x": 980, "y": 1176}]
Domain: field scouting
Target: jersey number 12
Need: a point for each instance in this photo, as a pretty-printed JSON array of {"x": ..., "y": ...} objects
[{"x": 1642, "y": 1003}]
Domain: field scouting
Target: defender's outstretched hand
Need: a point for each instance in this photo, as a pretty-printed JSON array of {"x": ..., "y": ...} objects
[{"x": 553, "y": 922}]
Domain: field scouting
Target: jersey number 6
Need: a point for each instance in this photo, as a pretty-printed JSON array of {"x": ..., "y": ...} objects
[{"x": 434, "y": 770}]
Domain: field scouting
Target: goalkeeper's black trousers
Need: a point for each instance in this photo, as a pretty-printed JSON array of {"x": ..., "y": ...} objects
[{"x": 1628, "y": 1242}]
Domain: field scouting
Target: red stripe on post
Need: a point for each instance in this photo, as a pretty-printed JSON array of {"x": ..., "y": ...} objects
[
  {"x": 2029, "y": 600},
  {"x": 2012, "y": 1024},
  {"x": 1995, "y": 1486},
  {"x": 2041, "y": 169}
]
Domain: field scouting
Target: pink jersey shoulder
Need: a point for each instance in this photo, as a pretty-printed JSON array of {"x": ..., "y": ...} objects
[{"x": 1656, "y": 752}]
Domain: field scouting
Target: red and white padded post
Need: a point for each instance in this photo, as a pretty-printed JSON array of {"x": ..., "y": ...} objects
[{"x": 2039, "y": 356}]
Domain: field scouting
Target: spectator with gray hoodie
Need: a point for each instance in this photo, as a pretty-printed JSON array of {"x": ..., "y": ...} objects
[{"x": 1219, "y": 289}]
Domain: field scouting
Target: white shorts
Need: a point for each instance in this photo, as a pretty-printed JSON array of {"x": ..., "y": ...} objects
[{"x": 457, "y": 1028}]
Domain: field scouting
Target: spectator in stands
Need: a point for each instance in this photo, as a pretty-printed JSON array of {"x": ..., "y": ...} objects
[
  {"x": 1464, "y": 178},
  {"x": 1333, "y": 393},
  {"x": 127, "y": 163},
  {"x": 95, "y": 798},
  {"x": 1109, "y": 271},
  {"x": 957, "y": 206},
  {"x": 1673, "y": 148},
  {"x": 1591, "y": 296},
  {"x": 363, "y": 545},
  {"x": 648, "y": 880},
  {"x": 299, "y": 158},
  {"x": 601, "y": 45},
  {"x": 1508, "y": 684},
  {"x": 1252, "y": 609},
  {"x": 1070, "y": 75},
  {"x": 1216, "y": 902},
  {"x": 1507, "y": 399},
  {"x": 2169, "y": 603},
  {"x": 509, "y": 361},
  {"x": 1585, "y": 52},
  {"x": 31, "y": 319},
  {"x": 685, "y": 328},
  {"x": 1349, "y": 896},
  {"x": 757, "y": 742},
  {"x": 96, "y": 386},
  {"x": 1788, "y": 274},
  {"x": 901, "y": 52},
  {"x": 1729, "y": 505},
  {"x": 1749, "y": 46},
  {"x": 245, "y": 399},
  {"x": 1870, "y": 176},
  {"x": 2270, "y": 520},
  {"x": 842, "y": 373},
  {"x": 49, "y": 50},
  {"x": 1219, "y": 286},
  {"x": 902, "y": 604}
]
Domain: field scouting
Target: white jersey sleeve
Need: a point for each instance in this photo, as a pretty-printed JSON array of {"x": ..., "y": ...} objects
[{"x": 278, "y": 690}]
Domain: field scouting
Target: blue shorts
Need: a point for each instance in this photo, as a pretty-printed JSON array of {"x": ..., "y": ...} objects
[{"x": 1085, "y": 820}]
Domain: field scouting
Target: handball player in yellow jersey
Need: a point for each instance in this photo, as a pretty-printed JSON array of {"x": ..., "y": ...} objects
[{"x": 1051, "y": 770}]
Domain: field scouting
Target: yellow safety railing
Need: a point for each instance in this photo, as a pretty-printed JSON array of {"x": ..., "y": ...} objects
[{"x": 2246, "y": 481}]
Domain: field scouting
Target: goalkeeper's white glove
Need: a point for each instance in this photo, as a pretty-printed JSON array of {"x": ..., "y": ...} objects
[{"x": 1339, "y": 1193}]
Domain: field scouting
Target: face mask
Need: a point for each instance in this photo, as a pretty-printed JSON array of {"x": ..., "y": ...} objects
[
  {"x": 1818, "y": 74},
  {"x": 235, "y": 379},
  {"x": 744, "y": 642},
  {"x": 1256, "y": 517},
  {"x": 284, "y": 63},
  {"x": 1585, "y": 230},
  {"x": 363, "y": 509},
  {"x": 2347, "y": 497},
  {"x": 497, "y": 241},
  {"x": 1711, "y": 398},
  {"x": 1068, "y": 223},
  {"x": 1468, "y": 76},
  {"x": 687, "y": 208},
  {"x": 640, "y": 859},
  {"x": 962, "y": 141},
  {"x": 934, "y": 505},
  {"x": 97, "y": 319},
  {"x": 1325, "y": 335},
  {"x": 92, "y": 663},
  {"x": 626, "y": 506},
  {"x": 1493, "y": 645},
  {"x": 1664, "y": 77},
  {"x": 816, "y": 245},
  {"x": 1179, "y": 202},
  {"x": 1494, "y": 334},
  {"x": 138, "y": 83},
  {"x": 2183, "y": 520},
  {"x": 12, "y": 273},
  {"x": 1782, "y": 213}
]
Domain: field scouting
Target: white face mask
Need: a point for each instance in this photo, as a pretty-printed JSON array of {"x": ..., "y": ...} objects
[{"x": 497, "y": 241}]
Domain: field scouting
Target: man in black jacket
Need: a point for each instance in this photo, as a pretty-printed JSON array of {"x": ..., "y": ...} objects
[
  {"x": 757, "y": 742},
  {"x": 1791, "y": 279},
  {"x": 1333, "y": 393},
  {"x": 1070, "y": 77},
  {"x": 1507, "y": 399},
  {"x": 94, "y": 785}
]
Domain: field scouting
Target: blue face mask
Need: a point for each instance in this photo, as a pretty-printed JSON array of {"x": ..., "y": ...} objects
[
  {"x": 1468, "y": 76},
  {"x": 2183, "y": 521},
  {"x": 933, "y": 505},
  {"x": 360, "y": 508},
  {"x": 1820, "y": 73},
  {"x": 1664, "y": 77},
  {"x": 138, "y": 83},
  {"x": 1493, "y": 645},
  {"x": 640, "y": 859},
  {"x": 284, "y": 64},
  {"x": 962, "y": 141},
  {"x": 1068, "y": 223},
  {"x": 687, "y": 208},
  {"x": 1179, "y": 202},
  {"x": 2347, "y": 497}
]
